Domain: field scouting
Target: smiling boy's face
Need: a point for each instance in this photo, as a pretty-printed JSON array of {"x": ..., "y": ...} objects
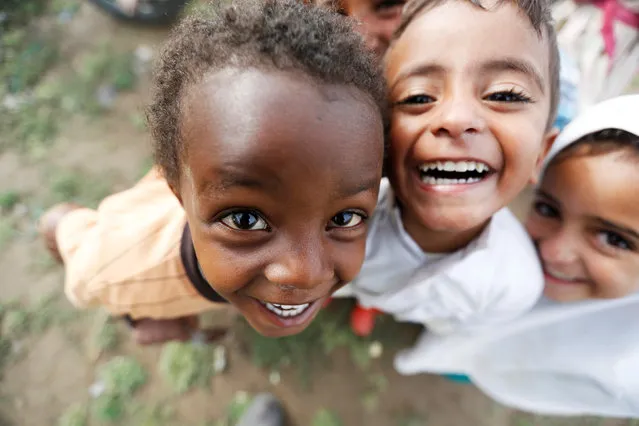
[
  {"x": 585, "y": 224},
  {"x": 279, "y": 175},
  {"x": 470, "y": 96}
]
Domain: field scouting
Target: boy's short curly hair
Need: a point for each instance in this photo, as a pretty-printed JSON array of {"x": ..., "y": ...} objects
[
  {"x": 540, "y": 17},
  {"x": 286, "y": 35}
]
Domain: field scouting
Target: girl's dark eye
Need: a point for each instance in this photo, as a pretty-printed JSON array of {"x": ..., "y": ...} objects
[
  {"x": 416, "y": 100},
  {"x": 615, "y": 240},
  {"x": 510, "y": 96},
  {"x": 546, "y": 210},
  {"x": 346, "y": 219},
  {"x": 245, "y": 220}
]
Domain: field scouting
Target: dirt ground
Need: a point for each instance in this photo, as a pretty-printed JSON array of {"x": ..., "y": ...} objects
[{"x": 50, "y": 359}]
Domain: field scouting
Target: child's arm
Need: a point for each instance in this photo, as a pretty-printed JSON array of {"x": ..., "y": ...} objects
[{"x": 125, "y": 256}]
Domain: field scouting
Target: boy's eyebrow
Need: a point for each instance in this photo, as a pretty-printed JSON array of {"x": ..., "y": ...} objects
[
  {"x": 228, "y": 177},
  {"x": 349, "y": 190},
  {"x": 546, "y": 195},
  {"x": 423, "y": 69},
  {"x": 618, "y": 228},
  {"x": 517, "y": 65}
]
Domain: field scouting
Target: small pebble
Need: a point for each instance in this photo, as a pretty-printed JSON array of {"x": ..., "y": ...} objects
[
  {"x": 375, "y": 350},
  {"x": 97, "y": 389},
  {"x": 219, "y": 359},
  {"x": 106, "y": 95},
  {"x": 274, "y": 378}
]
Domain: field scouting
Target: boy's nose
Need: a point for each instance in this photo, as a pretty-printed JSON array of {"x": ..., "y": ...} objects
[
  {"x": 302, "y": 266},
  {"x": 455, "y": 117}
]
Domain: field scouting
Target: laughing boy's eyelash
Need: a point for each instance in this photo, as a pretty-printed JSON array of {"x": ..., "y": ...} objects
[{"x": 510, "y": 96}]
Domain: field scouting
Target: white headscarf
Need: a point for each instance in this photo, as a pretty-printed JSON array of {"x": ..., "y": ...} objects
[{"x": 566, "y": 358}]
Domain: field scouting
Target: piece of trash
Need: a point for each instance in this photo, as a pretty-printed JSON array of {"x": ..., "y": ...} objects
[
  {"x": 65, "y": 16},
  {"x": 97, "y": 389},
  {"x": 241, "y": 397},
  {"x": 219, "y": 359},
  {"x": 375, "y": 350},
  {"x": 274, "y": 378},
  {"x": 143, "y": 57},
  {"x": 20, "y": 211},
  {"x": 13, "y": 102},
  {"x": 106, "y": 95},
  {"x": 198, "y": 337}
]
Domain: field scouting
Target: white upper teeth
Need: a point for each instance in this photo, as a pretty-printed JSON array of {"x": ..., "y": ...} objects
[
  {"x": 455, "y": 166},
  {"x": 561, "y": 276},
  {"x": 286, "y": 310}
]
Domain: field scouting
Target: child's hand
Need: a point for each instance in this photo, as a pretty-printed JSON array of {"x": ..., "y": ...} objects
[{"x": 48, "y": 226}]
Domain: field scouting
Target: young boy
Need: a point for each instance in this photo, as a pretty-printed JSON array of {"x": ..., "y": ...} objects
[
  {"x": 474, "y": 91},
  {"x": 582, "y": 357},
  {"x": 267, "y": 123}
]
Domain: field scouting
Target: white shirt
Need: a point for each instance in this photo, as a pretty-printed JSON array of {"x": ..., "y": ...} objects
[
  {"x": 494, "y": 279},
  {"x": 559, "y": 359}
]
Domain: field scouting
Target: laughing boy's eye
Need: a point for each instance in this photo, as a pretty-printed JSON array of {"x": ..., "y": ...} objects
[
  {"x": 245, "y": 220},
  {"x": 509, "y": 96},
  {"x": 346, "y": 219}
]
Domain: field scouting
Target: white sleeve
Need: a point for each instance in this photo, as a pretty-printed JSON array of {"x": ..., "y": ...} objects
[{"x": 493, "y": 280}]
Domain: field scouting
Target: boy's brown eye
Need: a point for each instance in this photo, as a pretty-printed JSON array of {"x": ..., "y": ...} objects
[
  {"x": 346, "y": 219},
  {"x": 245, "y": 220}
]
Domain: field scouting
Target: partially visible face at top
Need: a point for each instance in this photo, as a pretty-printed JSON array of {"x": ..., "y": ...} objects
[
  {"x": 378, "y": 20},
  {"x": 279, "y": 177},
  {"x": 470, "y": 97},
  {"x": 585, "y": 224}
]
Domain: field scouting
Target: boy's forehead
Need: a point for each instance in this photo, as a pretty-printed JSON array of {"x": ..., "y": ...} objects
[{"x": 498, "y": 29}]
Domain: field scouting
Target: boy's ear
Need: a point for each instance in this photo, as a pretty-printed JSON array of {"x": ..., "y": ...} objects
[
  {"x": 175, "y": 192},
  {"x": 549, "y": 140}
]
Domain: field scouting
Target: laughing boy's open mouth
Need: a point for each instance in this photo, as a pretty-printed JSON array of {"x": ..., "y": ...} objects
[{"x": 453, "y": 172}]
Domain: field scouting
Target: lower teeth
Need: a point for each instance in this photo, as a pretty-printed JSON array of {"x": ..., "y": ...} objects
[
  {"x": 443, "y": 181},
  {"x": 286, "y": 311}
]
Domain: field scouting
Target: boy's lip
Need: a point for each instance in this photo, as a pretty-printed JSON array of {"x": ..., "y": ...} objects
[{"x": 293, "y": 321}]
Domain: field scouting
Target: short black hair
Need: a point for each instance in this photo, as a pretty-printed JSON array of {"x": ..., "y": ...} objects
[
  {"x": 602, "y": 142},
  {"x": 269, "y": 34},
  {"x": 540, "y": 17}
]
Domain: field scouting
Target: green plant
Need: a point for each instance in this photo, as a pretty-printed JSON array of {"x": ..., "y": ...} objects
[
  {"x": 75, "y": 415},
  {"x": 109, "y": 408},
  {"x": 105, "y": 336},
  {"x": 7, "y": 231},
  {"x": 154, "y": 415},
  {"x": 326, "y": 418},
  {"x": 8, "y": 200},
  {"x": 122, "y": 376},
  {"x": 186, "y": 365},
  {"x": 15, "y": 323}
]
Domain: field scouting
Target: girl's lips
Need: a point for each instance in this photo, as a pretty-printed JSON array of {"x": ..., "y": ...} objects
[{"x": 549, "y": 276}]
